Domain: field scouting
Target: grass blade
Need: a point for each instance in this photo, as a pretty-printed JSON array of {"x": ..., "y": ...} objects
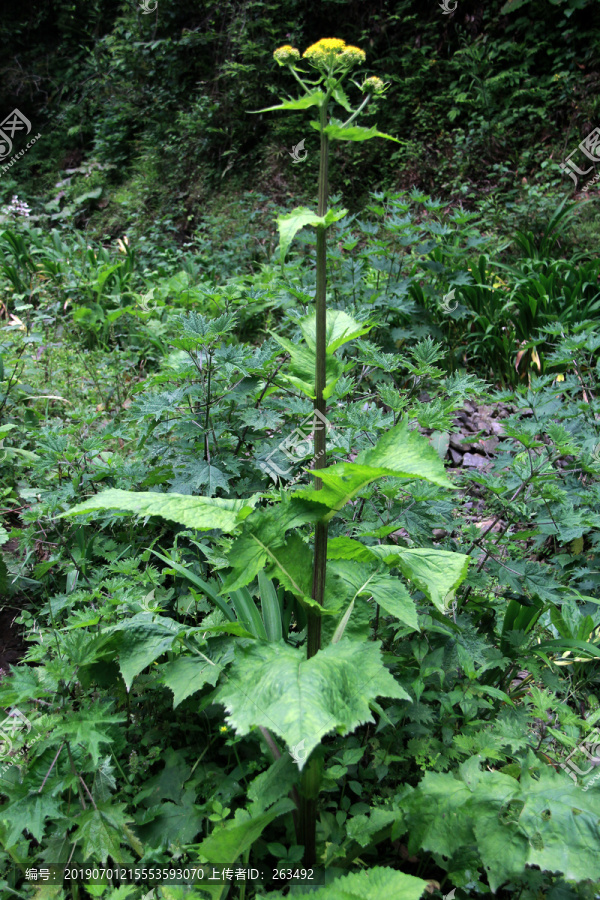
[
  {"x": 247, "y": 612},
  {"x": 271, "y": 609},
  {"x": 199, "y": 583}
]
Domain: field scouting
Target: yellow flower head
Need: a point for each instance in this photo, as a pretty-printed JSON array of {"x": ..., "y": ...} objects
[
  {"x": 286, "y": 55},
  {"x": 333, "y": 53},
  {"x": 373, "y": 85},
  {"x": 223, "y": 729}
]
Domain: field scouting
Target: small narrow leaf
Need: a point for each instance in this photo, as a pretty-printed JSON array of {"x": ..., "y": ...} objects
[
  {"x": 315, "y": 98},
  {"x": 247, "y": 612},
  {"x": 271, "y": 608},
  {"x": 339, "y": 631},
  {"x": 204, "y": 586},
  {"x": 356, "y": 133}
]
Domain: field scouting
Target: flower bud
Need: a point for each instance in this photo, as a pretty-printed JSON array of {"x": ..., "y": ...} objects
[
  {"x": 286, "y": 55},
  {"x": 373, "y": 85}
]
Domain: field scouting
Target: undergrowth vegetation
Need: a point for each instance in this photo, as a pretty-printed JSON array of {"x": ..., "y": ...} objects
[{"x": 160, "y": 381}]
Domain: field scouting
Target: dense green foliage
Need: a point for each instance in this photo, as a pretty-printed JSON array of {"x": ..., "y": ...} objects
[
  {"x": 149, "y": 113},
  {"x": 177, "y": 403},
  {"x": 160, "y": 513}
]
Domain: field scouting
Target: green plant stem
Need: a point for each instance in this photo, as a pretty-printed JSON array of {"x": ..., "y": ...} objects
[
  {"x": 357, "y": 112},
  {"x": 276, "y": 753},
  {"x": 309, "y": 791},
  {"x": 320, "y": 443},
  {"x": 308, "y": 805},
  {"x": 245, "y": 858},
  {"x": 298, "y": 79}
]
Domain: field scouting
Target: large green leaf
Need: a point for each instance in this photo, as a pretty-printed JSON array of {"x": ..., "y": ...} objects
[
  {"x": 101, "y": 831},
  {"x": 404, "y": 452},
  {"x": 291, "y": 223},
  {"x": 371, "y": 884},
  {"x": 275, "y": 686},
  {"x": 348, "y": 548},
  {"x": 394, "y": 599},
  {"x": 388, "y": 592},
  {"x": 400, "y": 452},
  {"x": 273, "y": 784},
  {"x": 568, "y": 820},
  {"x": 29, "y": 812},
  {"x": 291, "y": 565},
  {"x": 89, "y": 726},
  {"x": 262, "y": 543},
  {"x": 170, "y": 822},
  {"x": 546, "y": 821},
  {"x": 202, "y": 513},
  {"x": 435, "y": 572}
]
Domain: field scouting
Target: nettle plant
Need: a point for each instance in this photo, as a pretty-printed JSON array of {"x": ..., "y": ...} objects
[{"x": 299, "y": 690}]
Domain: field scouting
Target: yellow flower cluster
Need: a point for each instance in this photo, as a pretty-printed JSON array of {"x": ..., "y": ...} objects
[
  {"x": 331, "y": 53},
  {"x": 373, "y": 85},
  {"x": 286, "y": 55}
]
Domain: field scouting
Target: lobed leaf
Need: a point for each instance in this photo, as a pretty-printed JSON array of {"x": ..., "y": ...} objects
[{"x": 275, "y": 686}]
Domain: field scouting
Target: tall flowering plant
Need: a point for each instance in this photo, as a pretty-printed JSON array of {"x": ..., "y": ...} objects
[{"x": 331, "y": 62}]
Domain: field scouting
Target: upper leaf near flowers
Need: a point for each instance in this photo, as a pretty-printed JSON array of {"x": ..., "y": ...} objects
[{"x": 315, "y": 98}]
